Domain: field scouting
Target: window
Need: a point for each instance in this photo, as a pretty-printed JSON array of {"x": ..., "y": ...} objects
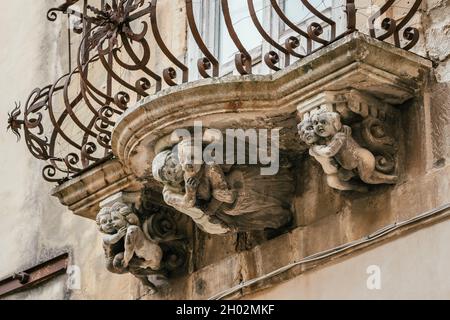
[
  {"x": 245, "y": 29},
  {"x": 297, "y": 12},
  {"x": 211, "y": 22}
]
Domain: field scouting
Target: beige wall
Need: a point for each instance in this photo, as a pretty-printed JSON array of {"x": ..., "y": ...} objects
[
  {"x": 412, "y": 267},
  {"x": 34, "y": 226}
]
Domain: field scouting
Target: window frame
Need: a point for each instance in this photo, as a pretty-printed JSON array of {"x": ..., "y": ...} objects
[
  {"x": 209, "y": 14},
  {"x": 228, "y": 67}
]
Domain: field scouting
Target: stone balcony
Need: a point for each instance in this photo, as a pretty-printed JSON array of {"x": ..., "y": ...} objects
[
  {"x": 357, "y": 76},
  {"x": 354, "y": 63}
]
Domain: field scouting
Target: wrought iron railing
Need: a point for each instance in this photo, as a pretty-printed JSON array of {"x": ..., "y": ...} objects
[{"x": 69, "y": 124}]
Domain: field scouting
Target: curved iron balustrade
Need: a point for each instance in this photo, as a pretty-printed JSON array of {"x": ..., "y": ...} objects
[{"x": 75, "y": 132}]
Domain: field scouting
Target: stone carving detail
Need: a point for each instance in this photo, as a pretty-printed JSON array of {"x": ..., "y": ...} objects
[
  {"x": 373, "y": 135},
  {"x": 351, "y": 157},
  {"x": 140, "y": 248},
  {"x": 220, "y": 198},
  {"x": 337, "y": 177}
]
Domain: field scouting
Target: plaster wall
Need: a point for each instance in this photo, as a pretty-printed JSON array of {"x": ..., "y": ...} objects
[{"x": 35, "y": 227}]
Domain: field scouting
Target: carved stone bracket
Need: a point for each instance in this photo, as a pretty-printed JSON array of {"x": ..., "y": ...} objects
[
  {"x": 223, "y": 198},
  {"x": 350, "y": 134},
  {"x": 348, "y": 103},
  {"x": 145, "y": 244}
]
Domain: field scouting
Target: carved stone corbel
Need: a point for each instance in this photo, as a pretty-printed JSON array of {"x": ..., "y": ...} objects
[
  {"x": 348, "y": 134},
  {"x": 141, "y": 242},
  {"x": 223, "y": 198}
]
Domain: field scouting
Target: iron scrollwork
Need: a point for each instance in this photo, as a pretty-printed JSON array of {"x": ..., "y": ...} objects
[{"x": 69, "y": 124}]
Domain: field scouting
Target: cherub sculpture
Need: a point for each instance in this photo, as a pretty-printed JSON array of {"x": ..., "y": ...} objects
[
  {"x": 127, "y": 226},
  {"x": 337, "y": 143},
  {"x": 126, "y": 247},
  {"x": 337, "y": 177},
  {"x": 113, "y": 245},
  {"x": 221, "y": 199}
]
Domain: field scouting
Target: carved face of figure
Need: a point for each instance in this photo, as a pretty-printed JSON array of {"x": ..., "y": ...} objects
[
  {"x": 118, "y": 220},
  {"x": 326, "y": 124},
  {"x": 186, "y": 155},
  {"x": 172, "y": 170},
  {"x": 167, "y": 169},
  {"x": 306, "y": 132},
  {"x": 104, "y": 221}
]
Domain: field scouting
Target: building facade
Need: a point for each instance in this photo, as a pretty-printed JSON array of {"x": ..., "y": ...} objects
[{"x": 337, "y": 184}]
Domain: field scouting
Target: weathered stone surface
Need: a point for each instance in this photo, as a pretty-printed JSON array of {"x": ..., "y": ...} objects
[
  {"x": 356, "y": 61},
  {"x": 357, "y": 219},
  {"x": 440, "y": 121},
  {"x": 406, "y": 272},
  {"x": 333, "y": 143},
  {"x": 127, "y": 247},
  {"x": 84, "y": 194}
]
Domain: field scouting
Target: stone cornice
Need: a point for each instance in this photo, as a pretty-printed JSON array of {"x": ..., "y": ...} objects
[
  {"x": 83, "y": 194},
  {"x": 356, "y": 61}
]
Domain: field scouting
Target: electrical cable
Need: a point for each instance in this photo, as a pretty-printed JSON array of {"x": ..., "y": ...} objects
[{"x": 334, "y": 251}]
